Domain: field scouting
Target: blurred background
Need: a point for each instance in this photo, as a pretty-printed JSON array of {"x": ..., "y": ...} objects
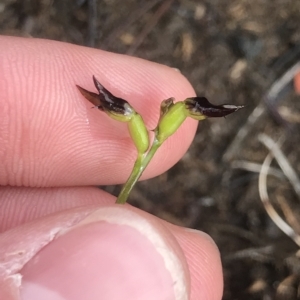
[{"x": 241, "y": 52}]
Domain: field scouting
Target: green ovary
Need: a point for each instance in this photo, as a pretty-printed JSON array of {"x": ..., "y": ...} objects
[
  {"x": 171, "y": 121},
  {"x": 139, "y": 133}
]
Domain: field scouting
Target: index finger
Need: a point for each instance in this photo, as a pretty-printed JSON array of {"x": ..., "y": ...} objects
[{"x": 49, "y": 134}]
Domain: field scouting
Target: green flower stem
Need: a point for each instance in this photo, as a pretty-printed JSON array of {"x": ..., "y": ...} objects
[{"x": 140, "y": 164}]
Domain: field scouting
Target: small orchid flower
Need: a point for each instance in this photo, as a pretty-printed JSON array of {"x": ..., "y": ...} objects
[
  {"x": 172, "y": 115},
  {"x": 120, "y": 110}
]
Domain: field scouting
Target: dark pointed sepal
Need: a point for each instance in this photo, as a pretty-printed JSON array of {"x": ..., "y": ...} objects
[
  {"x": 120, "y": 110},
  {"x": 200, "y": 108},
  {"x": 92, "y": 97},
  {"x": 117, "y": 108},
  {"x": 111, "y": 104}
]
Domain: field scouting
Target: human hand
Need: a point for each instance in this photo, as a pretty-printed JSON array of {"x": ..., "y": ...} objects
[{"x": 69, "y": 240}]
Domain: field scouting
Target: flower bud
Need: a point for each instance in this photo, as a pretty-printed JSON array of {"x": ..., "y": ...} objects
[
  {"x": 170, "y": 120},
  {"x": 165, "y": 106}
]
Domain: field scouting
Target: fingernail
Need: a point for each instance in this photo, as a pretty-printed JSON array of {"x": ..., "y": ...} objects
[{"x": 112, "y": 254}]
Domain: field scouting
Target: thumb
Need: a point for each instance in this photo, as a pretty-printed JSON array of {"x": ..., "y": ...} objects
[{"x": 115, "y": 252}]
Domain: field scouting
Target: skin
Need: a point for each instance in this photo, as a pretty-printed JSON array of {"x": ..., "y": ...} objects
[
  {"x": 297, "y": 83},
  {"x": 55, "y": 148}
]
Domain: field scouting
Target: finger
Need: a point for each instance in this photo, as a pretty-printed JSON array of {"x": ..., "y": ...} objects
[
  {"x": 297, "y": 83},
  {"x": 203, "y": 259},
  {"x": 20, "y": 205},
  {"x": 118, "y": 252},
  {"x": 49, "y": 134}
]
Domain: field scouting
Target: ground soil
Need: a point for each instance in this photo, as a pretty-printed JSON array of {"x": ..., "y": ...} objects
[{"x": 231, "y": 51}]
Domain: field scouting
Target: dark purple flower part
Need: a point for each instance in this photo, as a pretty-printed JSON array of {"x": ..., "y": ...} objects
[
  {"x": 92, "y": 97},
  {"x": 106, "y": 101},
  {"x": 198, "y": 106}
]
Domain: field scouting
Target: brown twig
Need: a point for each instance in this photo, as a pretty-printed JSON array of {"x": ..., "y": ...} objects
[
  {"x": 92, "y": 22},
  {"x": 288, "y": 213},
  {"x": 263, "y": 192},
  {"x": 150, "y": 25},
  {"x": 255, "y": 168},
  {"x": 276, "y": 91},
  {"x": 133, "y": 16},
  {"x": 283, "y": 162},
  {"x": 270, "y": 98},
  {"x": 232, "y": 149}
]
